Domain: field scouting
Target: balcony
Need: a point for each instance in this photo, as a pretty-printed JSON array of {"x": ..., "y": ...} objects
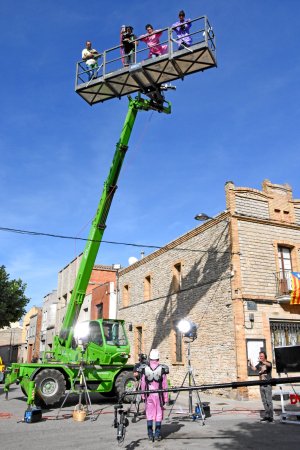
[{"x": 283, "y": 286}]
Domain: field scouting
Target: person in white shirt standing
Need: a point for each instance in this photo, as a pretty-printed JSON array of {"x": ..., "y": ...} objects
[{"x": 90, "y": 57}]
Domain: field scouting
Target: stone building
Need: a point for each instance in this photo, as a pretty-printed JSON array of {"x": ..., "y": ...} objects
[
  {"x": 49, "y": 310},
  {"x": 93, "y": 305},
  {"x": 31, "y": 335},
  {"x": 28, "y": 335},
  {"x": 230, "y": 276},
  {"x": 10, "y": 343}
]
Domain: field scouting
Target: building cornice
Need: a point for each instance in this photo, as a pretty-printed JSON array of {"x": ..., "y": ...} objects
[
  {"x": 103, "y": 267},
  {"x": 271, "y": 222},
  {"x": 255, "y": 192}
]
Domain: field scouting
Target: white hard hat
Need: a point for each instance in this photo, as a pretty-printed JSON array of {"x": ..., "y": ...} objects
[{"x": 154, "y": 354}]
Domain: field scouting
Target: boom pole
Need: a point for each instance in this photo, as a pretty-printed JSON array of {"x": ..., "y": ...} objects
[{"x": 206, "y": 387}]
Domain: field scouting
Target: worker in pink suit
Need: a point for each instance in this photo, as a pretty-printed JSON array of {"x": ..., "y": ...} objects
[
  {"x": 152, "y": 41},
  {"x": 154, "y": 376}
]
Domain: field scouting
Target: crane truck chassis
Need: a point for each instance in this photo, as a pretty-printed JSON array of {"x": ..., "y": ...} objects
[{"x": 100, "y": 346}]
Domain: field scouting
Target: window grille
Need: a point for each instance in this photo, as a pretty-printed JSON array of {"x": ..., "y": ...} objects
[{"x": 284, "y": 333}]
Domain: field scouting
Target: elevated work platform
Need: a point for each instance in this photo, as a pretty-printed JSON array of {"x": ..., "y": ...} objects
[{"x": 114, "y": 80}]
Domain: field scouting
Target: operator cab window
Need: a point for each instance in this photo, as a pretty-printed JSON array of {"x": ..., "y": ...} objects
[
  {"x": 95, "y": 333},
  {"x": 114, "y": 333}
]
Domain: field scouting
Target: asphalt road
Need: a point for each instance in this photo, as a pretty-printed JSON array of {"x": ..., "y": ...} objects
[{"x": 232, "y": 425}]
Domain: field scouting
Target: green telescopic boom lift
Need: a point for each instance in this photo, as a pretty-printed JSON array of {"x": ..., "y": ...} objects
[{"x": 157, "y": 103}]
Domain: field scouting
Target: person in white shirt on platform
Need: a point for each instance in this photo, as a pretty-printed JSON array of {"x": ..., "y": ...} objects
[{"x": 90, "y": 57}]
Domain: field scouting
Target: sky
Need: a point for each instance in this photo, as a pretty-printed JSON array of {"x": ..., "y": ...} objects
[{"x": 237, "y": 122}]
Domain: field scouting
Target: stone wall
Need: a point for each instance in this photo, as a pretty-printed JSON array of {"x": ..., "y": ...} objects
[
  {"x": 204, "y": 298},
  {"x": 252, "y": 207},
  {"x": 259, "y": 258},
  {"x": 255, "y": 237}
]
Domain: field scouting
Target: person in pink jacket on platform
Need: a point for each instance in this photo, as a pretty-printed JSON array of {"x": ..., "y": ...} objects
[
  {"x": 152, "y": 41},
  {"x": 154, "y": 377}
]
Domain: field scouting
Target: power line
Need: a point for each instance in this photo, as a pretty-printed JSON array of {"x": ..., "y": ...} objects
[
  {"x": 156, "y": 247},
  {"x": 189, "y": 288}
]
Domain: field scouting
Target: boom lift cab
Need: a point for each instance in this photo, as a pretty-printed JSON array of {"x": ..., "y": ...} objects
[{"x": 101, "y": 346}]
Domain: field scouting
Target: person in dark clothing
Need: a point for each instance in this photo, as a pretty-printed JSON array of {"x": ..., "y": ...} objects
[
  {"x": 143, "y": 359},
  {"x": 128, "y": 40},
  {"x": 264, "y": 369}
]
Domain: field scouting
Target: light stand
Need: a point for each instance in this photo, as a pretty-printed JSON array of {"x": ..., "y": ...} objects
[
  {"x": 82, "y": 390},
  {"x": 136, "y": 401},
  {"x": 189, "y": 331}
]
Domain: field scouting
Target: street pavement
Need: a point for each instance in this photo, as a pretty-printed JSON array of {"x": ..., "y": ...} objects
[{"x": 233, "y": 425}]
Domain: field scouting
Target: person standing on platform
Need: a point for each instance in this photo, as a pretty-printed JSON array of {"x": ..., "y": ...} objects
[
  {"x": 90, "y": 57},
  {"x": 264, "y": 369},
  {"x": 152, "y": 41},
  {"x": 129, "y": 43},
  {"x": 182, "y": 30},
  {"x": 154, "y": 376}
]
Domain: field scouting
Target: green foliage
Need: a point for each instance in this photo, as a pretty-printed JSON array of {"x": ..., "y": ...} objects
[{"x": 12, "y": 299}]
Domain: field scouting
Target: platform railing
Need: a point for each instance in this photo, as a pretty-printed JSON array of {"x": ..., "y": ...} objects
[{"x": 113, "y": 59}]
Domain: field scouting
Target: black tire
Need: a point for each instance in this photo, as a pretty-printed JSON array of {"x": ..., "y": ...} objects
[
  {"x": 110, "y": 394},
  {"x": 125, "y": 382},
  {"x": 50, "y": 387}
]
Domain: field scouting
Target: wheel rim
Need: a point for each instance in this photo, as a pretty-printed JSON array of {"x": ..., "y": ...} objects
[
  {"x": 130, "y": 385},
  {"x": 49, "y": 387}
]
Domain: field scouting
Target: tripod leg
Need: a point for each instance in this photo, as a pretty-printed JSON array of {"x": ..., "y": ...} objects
[
  {"x": 87, "y": 396},
  {"x": 138, "y": 403},
  {"x": 62, "y": 405},
  {"x": 72, "y": 389},
  {"x": 177, "y": 395},
  {"x": 200, "y": 403},
  {"x": 133, "y": 400},
  {"x": 138, "y": 399}
]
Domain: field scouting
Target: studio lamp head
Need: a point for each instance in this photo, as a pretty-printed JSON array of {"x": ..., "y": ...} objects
[
  {"x": 187, "y": 328},
  {"x": 81, "y": 333}
]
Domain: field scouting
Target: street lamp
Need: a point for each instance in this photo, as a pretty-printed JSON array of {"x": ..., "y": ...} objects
[{"x": 202, "y": 217}]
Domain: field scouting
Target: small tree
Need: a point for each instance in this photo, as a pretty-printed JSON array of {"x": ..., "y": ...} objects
[{"x": 12, "y": 299}]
